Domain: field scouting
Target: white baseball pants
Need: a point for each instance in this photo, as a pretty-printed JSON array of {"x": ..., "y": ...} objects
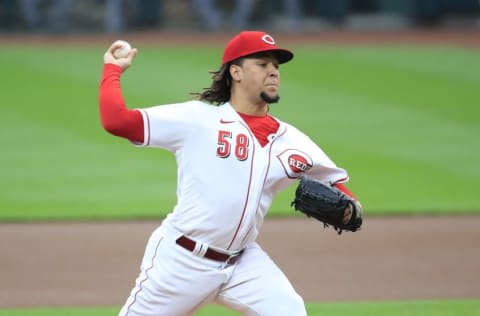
[{"x": 175, "y": 281}]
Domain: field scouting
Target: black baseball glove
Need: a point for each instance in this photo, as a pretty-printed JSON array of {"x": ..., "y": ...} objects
[{"x": 328, "y": 205}]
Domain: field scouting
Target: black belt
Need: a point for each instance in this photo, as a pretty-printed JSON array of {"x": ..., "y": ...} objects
[{"x": 212, "y": 254}]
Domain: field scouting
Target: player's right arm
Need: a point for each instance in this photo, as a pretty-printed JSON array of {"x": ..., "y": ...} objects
[{"x": 116, "y": 118}]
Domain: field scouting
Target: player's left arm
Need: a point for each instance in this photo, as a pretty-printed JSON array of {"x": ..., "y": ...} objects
[
  {"x": 326, "y": 170},
  {"x": 342, "y": 187},
  {"x": 356, "y": 204}
]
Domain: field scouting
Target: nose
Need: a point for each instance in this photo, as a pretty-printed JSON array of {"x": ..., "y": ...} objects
[{"x": 273, "y": 70}]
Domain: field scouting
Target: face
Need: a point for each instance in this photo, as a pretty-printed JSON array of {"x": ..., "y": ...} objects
[{"x": 258, "y": 78}]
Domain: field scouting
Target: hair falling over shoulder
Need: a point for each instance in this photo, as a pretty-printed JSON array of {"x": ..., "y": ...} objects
[{"x": 219, "y": 91}]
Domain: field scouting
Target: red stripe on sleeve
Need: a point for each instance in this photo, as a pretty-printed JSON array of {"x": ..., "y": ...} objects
[{"x": 116, "y": 118}]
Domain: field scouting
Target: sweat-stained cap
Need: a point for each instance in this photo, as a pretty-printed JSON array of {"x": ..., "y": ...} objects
[{"x": 250, "y": 42}]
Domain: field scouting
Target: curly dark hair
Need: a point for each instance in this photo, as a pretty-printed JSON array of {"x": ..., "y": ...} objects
[{"x": 219, "y": 91}]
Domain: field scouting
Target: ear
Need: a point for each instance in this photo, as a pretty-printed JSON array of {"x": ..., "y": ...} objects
[{"x": 235, "y": 72}]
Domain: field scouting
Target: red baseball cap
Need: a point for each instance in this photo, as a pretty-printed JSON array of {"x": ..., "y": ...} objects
[{"x": 250, "y": 42}]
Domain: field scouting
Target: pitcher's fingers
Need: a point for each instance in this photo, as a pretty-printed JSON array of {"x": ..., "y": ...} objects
[
  {"x": 131, "y": 55},
  {"x": 347, "y": 216},
  {"x": 114, "y": 46}
]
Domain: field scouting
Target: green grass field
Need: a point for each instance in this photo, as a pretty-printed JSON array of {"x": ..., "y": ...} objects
[{"x": 403, "y": 121}]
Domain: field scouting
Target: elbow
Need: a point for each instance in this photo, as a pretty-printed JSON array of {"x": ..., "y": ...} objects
[
  {"x": 112, "y": 127},
  {"x": 122, "y": 123}
]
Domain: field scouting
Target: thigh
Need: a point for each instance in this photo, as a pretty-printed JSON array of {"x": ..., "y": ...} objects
[
  {"x": 258, "y": 287},
  {"x": 172, "y": 280}
]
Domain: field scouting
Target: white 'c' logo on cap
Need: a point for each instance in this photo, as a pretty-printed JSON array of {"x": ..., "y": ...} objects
[{"x": 268, "y": 39}]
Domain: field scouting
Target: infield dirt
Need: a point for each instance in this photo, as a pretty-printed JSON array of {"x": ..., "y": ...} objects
[{"x": 96, "y": 263}]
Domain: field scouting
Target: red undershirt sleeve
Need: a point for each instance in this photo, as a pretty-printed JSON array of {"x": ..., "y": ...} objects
[
  {"x": 345, "y": 190},
  {"x": 116, "y": 118}
]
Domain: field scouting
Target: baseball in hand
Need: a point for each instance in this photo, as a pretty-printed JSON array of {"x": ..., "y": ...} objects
[{"x": 123, "y": 50}]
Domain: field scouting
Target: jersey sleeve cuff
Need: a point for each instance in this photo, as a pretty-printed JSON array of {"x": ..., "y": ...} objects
[{"x": 146, "y": 129}]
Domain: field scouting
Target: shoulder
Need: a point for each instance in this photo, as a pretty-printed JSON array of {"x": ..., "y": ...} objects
[
  {"x": 291, "y": 131},
  {"x": 186, "y": 107},
  {"x": 200, "y": 106},
  {"x": 193, "y": 105}
]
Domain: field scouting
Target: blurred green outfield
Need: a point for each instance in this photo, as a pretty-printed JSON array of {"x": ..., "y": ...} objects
[{"x": 402, "y": 120}]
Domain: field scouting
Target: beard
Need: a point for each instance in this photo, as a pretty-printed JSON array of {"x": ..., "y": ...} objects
[{"x": 265, "y": 97}]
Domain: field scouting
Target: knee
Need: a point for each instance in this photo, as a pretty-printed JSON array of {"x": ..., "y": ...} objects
[
  {"x": 287, "y": 305},
  {"x": 295, "y": 306}
]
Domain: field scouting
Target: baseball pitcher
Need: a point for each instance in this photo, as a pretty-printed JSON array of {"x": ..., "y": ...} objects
[{"x": 233, "y": 157}]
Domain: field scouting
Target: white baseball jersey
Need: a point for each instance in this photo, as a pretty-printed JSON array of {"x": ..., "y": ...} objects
[
  {"x": 226, "y": 183},
  {"x": 226, "y": 179}
]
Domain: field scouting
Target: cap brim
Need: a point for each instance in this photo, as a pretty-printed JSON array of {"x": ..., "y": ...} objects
[{"x": 283, "y": 55}]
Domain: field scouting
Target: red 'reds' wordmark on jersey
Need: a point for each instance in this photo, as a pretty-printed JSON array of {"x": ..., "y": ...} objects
[
  {"x": 225, "y": 139},
  {"x": 295, "y": 162},
  {"x": 298, "y": 164}
]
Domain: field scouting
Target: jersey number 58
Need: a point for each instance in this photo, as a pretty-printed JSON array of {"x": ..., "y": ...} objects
[{"x": 225, "y": 139}]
